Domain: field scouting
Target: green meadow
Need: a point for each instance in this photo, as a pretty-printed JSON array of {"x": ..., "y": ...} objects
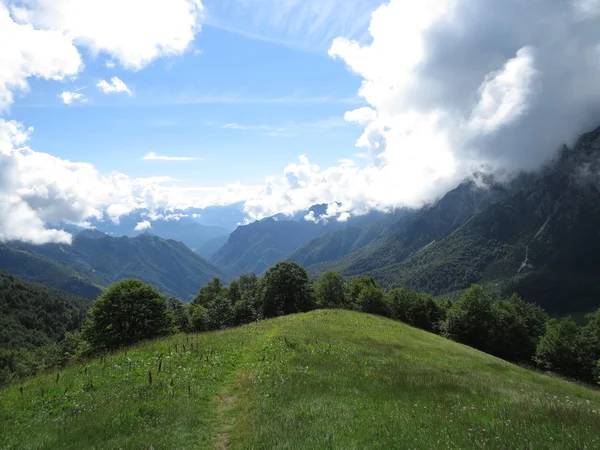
[{"x": 320, "y": 380}]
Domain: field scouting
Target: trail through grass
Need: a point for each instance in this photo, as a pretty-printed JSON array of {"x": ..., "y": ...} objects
[{"x": 328, "y": 379}]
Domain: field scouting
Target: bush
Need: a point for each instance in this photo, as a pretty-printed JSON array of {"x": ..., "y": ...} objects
[{"x": 127, "y": 312}]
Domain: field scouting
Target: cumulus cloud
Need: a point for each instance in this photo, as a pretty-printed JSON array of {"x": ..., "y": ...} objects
[
  {"x": 132, "y": 33},
  {"x": 38, "y": 189},
  {"x": 155, "y": 157},
  {"x": 454, "y": 87},
  {"x": 69, "y": 97},
  {"x": 141, "y": 226},
  {"x": 115, "y": 86},
  {"x": 28, "y": 52}
]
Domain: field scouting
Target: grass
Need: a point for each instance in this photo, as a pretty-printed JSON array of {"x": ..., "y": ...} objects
[{"x": 327, "y": 379}]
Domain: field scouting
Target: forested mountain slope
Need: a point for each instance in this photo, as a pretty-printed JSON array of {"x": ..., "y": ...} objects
[
  {"x": 33, "y": 315},
  {"x": 542, "y": 241},
  {"x": 168, "y": 265}
]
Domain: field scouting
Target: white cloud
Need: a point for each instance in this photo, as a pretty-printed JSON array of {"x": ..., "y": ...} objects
[
  {"x": 27, "y": 52},
  {"x": 452, "y": 87},
  {"x": 155, "y": 157},
  {"x": 38, "y": 189},
  {"x": 132, "y": 32},
  {"x": 110, "y": 64},
  {"x": 115, "y": 86},
  {"x": 141, "y": 226},
  {"x": 69, "y": 97}
]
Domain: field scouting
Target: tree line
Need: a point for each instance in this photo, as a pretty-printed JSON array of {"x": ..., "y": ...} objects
[{"x": 510, "y": 328}]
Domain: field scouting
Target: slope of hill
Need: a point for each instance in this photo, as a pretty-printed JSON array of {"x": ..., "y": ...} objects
[
  {"x": 327, "y": 379},
  {"x": 33, "y": 315},
  {"x": 541, "y": 242},
  {"x": 168, "y": 265},
  {"x": 29, "y": 265}
]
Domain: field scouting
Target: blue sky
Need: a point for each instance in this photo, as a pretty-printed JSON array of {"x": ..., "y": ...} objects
[
  {"x": 190, "y": 103},
  {"x": 249, "y": 97}
]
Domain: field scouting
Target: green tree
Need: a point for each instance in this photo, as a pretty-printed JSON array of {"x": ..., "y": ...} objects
[
  {"x": 287, "y": 289},
  {"x": 355, "y": 288},
  {"x": 563, "y": 350},
  {"x": 371, "y": 300},
  {"x": 234, "y": 292},
  {"x": 419, "y": 310},
  {"x": 591, "y": 336},
  {"x": 199, "y": 317},
  {"x": 331, "y": 290},
  {"x": 209, "y": 292},
  {"x": 220, "y": 312},
  {"x": 127, "y": 312},
  {"x": 471, "y": 319},
  {"x": 179, "y": 314}
]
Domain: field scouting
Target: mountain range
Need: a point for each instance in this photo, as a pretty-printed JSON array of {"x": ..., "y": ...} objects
[
  {"x": 95, "y": 260},
  {"x": 536, "y": 235}
]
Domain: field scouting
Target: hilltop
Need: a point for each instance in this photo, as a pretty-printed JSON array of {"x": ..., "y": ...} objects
[{"x": 325, "y": 379}]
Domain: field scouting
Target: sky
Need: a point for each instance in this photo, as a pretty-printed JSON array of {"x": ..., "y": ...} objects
[{"x": 114, "y": 105}]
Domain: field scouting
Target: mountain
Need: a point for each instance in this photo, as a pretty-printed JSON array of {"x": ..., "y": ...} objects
[
  {"x": 25, "y": 263},
  {"x": 33, "y": 315},
  {"x": 179, "y": 226},
  {"x": 168, "y": 265},
  {"x": 259, "y": 245},
  {"x": 209, "y": 248},
  {"x": 358, "y": 233},
  {"x": 228, "y": 217},
  {"x": 326, "y": 379},
  {"x": 538, "y": 237},
  {"x": 414, "y": 231}
]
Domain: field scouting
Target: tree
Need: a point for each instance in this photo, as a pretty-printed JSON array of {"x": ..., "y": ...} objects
[
  {"x": 355, "y": 288},
  {"x": 517, "y": 329},
  {"x": 330, "y": 290},
  {"x": 219, "y": 312},
  {"x": 209, "y": 292},
  {"x": 371, "y": 300},
  {"x": 471, "y": 319},
  {"x": 591, "y": 336},
  {"x": 234, "y": 292},
  {"x": 287, "y": 289},
  {"x": 199, "y": 317},
  {"x": 127, "y": 312},
  {"x": 179, "y": 314},
  {"x": 563, "y": 350},
  {"x": 419, "y": 310}
]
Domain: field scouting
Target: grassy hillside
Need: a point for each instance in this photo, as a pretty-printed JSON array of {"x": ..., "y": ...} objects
[{"x": 327, "y": 379}]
